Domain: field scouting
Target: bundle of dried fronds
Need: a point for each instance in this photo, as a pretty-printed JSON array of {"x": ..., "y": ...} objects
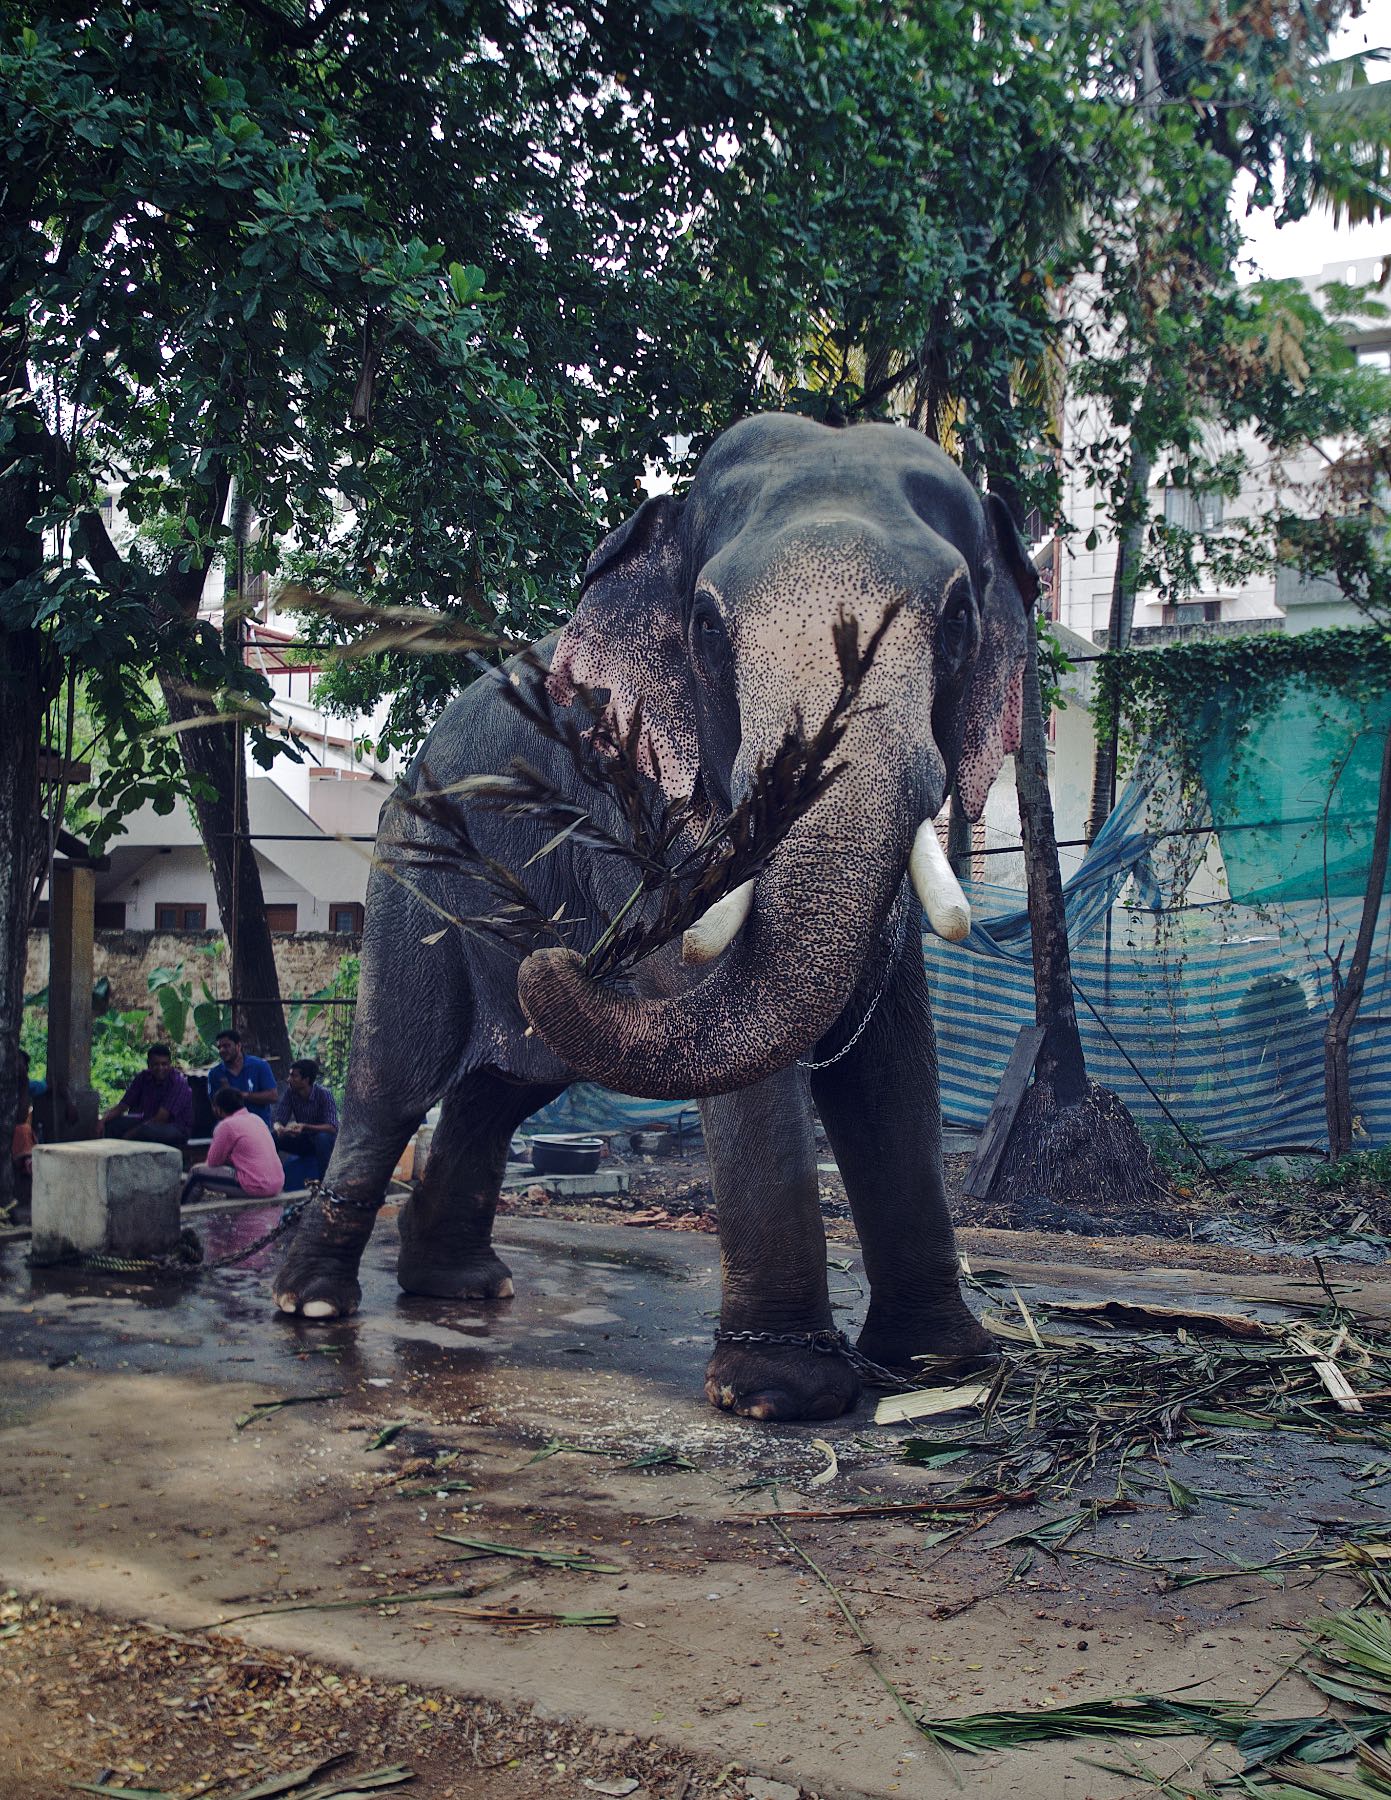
[
  {"x": 684, "y": 860},
  {"x": 515, "y": 918}
]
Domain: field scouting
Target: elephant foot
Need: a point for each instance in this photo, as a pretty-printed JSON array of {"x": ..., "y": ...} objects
[
  {"x": 318, "y": 1277},
  {"x": 779, "y": 1381},
  {"x": 479, "y": 1276},
  {"x": 950, "y": 1335}
]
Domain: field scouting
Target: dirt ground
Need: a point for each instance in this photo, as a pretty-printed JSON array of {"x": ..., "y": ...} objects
[
  {"x": 1221, "y": 1225},
  {"x": 87, "y": 1697},
  {"x": 207, "y": 1589}
]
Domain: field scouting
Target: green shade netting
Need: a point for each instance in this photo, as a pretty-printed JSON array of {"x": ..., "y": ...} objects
[{"x": 1294, "y": 791}]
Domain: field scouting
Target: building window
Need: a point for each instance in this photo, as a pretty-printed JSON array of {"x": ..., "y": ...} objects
[
  {"x": 282, "y": 918},
  {"x": 180, "y": 915},
  {"x": 346, "y": 916},
  {"x": 110, "y": 915},
  {"x": 1192, "y": 509},
  {"x": 1194, "y": 612}
]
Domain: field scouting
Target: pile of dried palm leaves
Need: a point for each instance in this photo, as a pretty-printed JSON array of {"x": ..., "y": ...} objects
[
  {"x": 1099, "y": 1393},
  {"x": 1078, "y": 1400}
]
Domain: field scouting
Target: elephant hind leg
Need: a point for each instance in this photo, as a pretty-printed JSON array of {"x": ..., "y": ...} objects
[{"x": 447, "y": 1225}]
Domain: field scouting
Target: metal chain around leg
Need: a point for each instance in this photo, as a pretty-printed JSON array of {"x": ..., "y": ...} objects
[{"x": 826, "y": 1343}]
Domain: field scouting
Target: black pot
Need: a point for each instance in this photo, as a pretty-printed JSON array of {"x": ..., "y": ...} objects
[{"x": 566, "y": 1154}]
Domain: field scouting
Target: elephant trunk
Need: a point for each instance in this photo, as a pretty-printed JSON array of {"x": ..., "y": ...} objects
[{"x": 780, "y": 986}]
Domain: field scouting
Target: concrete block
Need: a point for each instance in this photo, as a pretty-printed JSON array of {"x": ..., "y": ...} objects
[
  {"x": 574, "y": 1187},
  {"x": 105, "y": 1199}
]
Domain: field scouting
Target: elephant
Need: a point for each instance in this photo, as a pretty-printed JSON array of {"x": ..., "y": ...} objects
[{"x": 715, "y": 611}]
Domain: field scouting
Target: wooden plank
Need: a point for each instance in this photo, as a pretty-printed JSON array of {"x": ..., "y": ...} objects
[
  {"x": 998, "y": 1126},
  {"x": 53, "y": 767}
]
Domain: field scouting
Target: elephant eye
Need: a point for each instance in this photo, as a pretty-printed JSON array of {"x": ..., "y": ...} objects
[
  {"x": 956, "y": 631},
  {"x": 709, "y": 639}
]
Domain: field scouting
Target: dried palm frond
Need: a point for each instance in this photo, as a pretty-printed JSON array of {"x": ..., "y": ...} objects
[
  {"x": 684, "y": 860},
  {"x": 516, "y": 919},
  {"x": 414, "y": 629}
]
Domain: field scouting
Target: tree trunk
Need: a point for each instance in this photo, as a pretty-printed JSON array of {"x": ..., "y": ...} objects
[
  {"x": 1073, "y": 1143},
  {"x": 1129, "y": 552},
  {"x": 210, "y": 754},
  {"x": 23, "y": 702},
  {"x": 1337, "y": 1098},
  {"x": 1060, "y": 1061}
]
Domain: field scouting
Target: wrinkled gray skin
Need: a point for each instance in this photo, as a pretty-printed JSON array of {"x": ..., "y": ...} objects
[{"x": 717, "y": 612}]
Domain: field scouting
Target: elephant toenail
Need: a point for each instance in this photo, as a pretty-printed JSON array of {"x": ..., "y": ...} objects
[
  {"x": 319, "y": 1309},
  {"x": 504, "y": 1289},
  {"x": 286, "y": 1302}
]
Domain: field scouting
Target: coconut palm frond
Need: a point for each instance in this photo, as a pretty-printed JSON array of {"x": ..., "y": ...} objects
[{"x": 684, "y": 861}]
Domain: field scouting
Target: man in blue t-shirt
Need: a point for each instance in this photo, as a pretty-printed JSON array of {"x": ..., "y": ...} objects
[{"x": 249, "y": 1075}]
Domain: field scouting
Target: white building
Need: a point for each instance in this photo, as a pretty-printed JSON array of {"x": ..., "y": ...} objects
[
  {"x": 312, "y": 822},
  {"x": 1273, "y": 602}
]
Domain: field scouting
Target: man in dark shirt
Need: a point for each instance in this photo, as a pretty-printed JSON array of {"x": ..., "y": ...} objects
[
  {"x": 157, "y": 1107},
  {"x": 252, "y": 1078},
  {"x": 306, "y": 1123}
]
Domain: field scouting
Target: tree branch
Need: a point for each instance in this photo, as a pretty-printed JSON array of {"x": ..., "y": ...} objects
[{"x": 289, "y": 36}]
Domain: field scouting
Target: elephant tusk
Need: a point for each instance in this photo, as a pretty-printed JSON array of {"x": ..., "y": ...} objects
[
  {"x": 947, "y": 908},
  {"x": 718, "y": 926}
]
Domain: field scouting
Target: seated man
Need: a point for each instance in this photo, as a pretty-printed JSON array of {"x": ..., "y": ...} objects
[
  {"x": 241, "y": 1157},
  {"x": 306, "y": 1123},
  {"x": 157, "y": 1107},
  {"x": 252, "y": 1078}
]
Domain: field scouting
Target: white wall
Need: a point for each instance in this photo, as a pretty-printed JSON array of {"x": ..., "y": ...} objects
[
  {"x": 181, "y": 875},
  {"x": 302, "y": 860},
  {"x": 1087, "y": 575}
]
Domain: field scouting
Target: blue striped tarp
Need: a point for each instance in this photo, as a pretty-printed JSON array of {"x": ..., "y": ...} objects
[{"x": 1217, "y": 1011}]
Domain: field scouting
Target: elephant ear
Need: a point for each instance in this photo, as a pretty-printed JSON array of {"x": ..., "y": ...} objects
[
  {"x": 993, "y": 707},
  {"x": 627, "y": 637}
]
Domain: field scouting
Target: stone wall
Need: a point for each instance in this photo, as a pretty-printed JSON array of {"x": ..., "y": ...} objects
[{"x": 306, "y": 961}]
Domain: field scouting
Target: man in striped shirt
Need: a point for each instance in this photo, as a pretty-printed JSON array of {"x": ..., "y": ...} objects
[{"x": 306, "y": 1123}]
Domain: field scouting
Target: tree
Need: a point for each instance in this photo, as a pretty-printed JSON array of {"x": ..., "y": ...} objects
[
  {"x": 1290, "y": 374},
  {"x": 397, "y": 276},
  {"x": 1110, "y": 251},
  {"x": 430, "y": 287}
]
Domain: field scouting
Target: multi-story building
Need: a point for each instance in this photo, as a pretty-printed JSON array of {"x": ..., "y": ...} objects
[{"x": 1276, "y": 601}]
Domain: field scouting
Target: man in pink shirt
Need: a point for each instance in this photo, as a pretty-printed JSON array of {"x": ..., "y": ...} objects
[{"x": 242, "y": 1158}]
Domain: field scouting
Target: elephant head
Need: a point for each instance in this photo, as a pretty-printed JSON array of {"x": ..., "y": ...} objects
[{"x": 717, "y": 613}]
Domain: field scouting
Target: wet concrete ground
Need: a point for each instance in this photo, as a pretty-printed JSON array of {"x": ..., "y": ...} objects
[{"x": 127, "y": 1484}]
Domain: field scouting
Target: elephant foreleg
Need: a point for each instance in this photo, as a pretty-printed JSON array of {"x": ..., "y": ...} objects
[
  {"x": 882, "y": 1113},
  {"x": 318, "y": 1276},
  {"x": 446, "y": 1226},
  {"x": 762, "y": 1153}
]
